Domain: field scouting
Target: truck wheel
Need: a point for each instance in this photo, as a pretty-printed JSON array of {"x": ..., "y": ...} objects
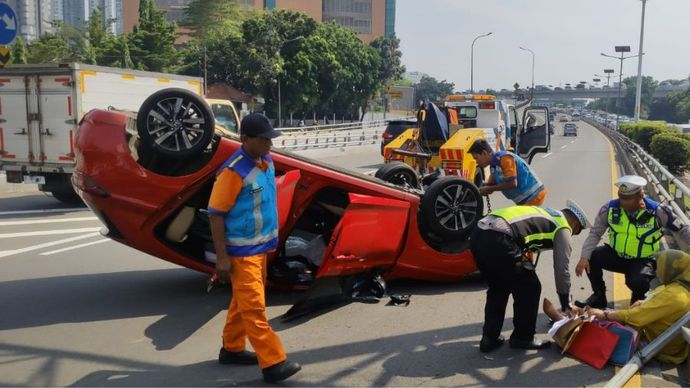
[
  {"x": 399, "y": 174},
  {"x": 175, "y": 122},
  {"x": 451, "y": 207}
]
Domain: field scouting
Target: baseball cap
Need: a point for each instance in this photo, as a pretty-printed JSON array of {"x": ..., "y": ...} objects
[
  {"x": 257, "y": 125},
  {"x": 579, "y": 213}
]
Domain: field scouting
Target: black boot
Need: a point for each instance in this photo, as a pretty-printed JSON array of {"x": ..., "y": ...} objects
[
  {"x": 486, "y": 345},
  {"x": 534, "y": 344},
  {"x": 280, "y": 371},
  {"x": 239, "y": 358},
  {"x": 597, "y": 300}
]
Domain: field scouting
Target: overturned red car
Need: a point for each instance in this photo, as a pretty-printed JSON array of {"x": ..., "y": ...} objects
[{"x": 148, "y": 178}]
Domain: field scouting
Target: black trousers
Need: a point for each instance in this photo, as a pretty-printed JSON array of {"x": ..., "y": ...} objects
[
  {"x": 638, "y": 272},
  {"x": 496, "y": 255}
]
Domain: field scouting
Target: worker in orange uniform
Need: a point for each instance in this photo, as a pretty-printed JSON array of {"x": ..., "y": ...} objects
[
  {"x": 510, "y": 174},
  {"x": 244, "y": 224}
]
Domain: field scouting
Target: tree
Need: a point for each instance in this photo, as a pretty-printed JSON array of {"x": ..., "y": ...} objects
[
  {"x": 388, "y": 48},
  {"x": 649, "y": 85},
  {"x": 431, "y": 89},
  {"x": 152, "y": 43},
  {"x": 19, "y": 51},
  {"x": 209, "y": 18}
]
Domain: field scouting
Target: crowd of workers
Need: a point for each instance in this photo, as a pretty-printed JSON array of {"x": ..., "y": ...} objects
[{"x": 505, "y": 246}]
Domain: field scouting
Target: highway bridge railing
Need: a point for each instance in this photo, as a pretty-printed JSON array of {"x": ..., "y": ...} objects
[{"x": 665, "y": 187}]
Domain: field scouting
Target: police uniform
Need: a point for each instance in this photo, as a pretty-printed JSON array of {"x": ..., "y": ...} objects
[
  {"x": 499, "y": 246},
  {"x": 634, "y": 240}
]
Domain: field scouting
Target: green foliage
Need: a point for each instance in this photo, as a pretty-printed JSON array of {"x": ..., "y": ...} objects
[
  {"x": 212, "y": 18},
  {"x": 643, "y": 132},
  {"x": 430, "y": 88},
  {"x": 649, "y": 85},
  {"x": 151, "y": 44},
  {"x": 388, "y": 48},
  {"x": 19, "y": 51},
  {"x": 402, "y": 82},
  {"x": 672, "y": 150}
]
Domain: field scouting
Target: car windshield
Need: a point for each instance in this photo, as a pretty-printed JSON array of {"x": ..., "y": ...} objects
[{"x": 224, "y": 116}]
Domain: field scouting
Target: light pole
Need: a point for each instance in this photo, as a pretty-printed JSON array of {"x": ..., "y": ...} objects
[
  {"x": 472, "y": 61},
  {"x": 280, "y": 113},
  {"x": 622, "y": 50},
  {"x": 638, "y": 91},
  {"x": 531, "y": 52},
  {"x": 608, "y": 73}
]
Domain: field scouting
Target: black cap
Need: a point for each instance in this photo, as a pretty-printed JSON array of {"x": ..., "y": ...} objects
[
  {"x": 479, "y": 146},
  {"x": 257, "y": 125}
]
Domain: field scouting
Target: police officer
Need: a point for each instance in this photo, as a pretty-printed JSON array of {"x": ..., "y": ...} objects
[
  {"x": 635, "y": 224},
  {"x": 500, "y": 244},
  {"x": 510, "y": 174},
  {"x": 243, "y": 215}
]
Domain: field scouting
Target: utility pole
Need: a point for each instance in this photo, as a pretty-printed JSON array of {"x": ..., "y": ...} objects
[
  {"x": 472, "y": 61},
  {"x": 531, "y": 52},
  {"x": 638, "y": 91},
  {"x": 622, "y": 50}
]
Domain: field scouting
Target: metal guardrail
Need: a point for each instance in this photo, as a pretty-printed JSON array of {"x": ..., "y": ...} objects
[
  {"x": 667, "y": 188},
  {"x": 312, "y": 129},
  {"x": 342, "y": 138}
]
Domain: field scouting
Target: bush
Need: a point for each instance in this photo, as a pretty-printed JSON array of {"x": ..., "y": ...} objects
[
  {"x": 643, "y": 132},
  {"x": 671, "y": 150}
]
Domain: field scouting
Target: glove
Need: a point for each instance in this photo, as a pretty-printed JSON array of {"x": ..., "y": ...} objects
[{"x": 565, "y": 301}]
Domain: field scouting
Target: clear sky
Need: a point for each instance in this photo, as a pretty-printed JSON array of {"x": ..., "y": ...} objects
[{"x": 566, "y": 36}]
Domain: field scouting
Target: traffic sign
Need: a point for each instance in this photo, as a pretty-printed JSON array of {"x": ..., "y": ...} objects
[
  {"x": 8, "y": 24},
  {"x": 5, "y": 56},
  {"x": 395, "y": 95}
]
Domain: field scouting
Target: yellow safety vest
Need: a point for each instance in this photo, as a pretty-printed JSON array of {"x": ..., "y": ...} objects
[
  {"x": 533, "y": 227},
  {"x": 637, "y": 239}
]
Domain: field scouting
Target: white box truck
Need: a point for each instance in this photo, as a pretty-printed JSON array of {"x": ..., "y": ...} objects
[{"x": 40, "y": 108}]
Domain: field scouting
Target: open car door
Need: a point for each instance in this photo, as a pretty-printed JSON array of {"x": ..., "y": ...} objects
[
  {"x": 367, "y": 240},
  {"x": 535, "y": 135}
]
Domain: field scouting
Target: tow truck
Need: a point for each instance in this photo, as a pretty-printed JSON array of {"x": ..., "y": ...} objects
[{"x": 437, "y": 147}]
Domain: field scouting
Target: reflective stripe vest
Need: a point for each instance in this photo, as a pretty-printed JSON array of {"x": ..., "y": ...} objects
[
  {"x": 534, "y": 228},
  {"x": 528, "y": 183},
  {"x": 638, "y": 238},
  {"x": 251, "y": 226}
]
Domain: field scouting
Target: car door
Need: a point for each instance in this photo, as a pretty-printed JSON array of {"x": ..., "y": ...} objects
[
  {"x": 285, "y": 191},
  {"x": 514, "y": 125},
  {"x": 369, "y": 235},
  {"x": 535, "y": 135}
]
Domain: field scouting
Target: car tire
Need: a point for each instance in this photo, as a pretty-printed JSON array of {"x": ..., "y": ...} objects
[
  {"x": 175, "y": 122},
  {"x": 451, "y": 207},
  {"x": 399, "y": 174}
]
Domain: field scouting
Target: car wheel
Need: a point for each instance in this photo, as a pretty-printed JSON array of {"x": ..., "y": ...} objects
[
  {"x": 399, "y": 174},
  {"x": 451, "y": 207},
  {"x": 175, "y": 122}
]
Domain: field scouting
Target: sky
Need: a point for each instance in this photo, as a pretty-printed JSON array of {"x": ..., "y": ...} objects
[{"x": 567, "y": 37}]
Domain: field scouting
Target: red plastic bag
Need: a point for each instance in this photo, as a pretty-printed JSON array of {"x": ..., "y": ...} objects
[{"x": 592, "y": 344}]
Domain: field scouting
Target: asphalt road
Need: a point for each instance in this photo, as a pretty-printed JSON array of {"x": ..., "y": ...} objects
[{"x": 78, "y": 309}]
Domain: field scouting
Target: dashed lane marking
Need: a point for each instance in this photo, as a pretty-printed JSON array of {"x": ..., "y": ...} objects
[
  {"x": 75, "y": 247},
  {"x": 46, "y": 245},
  {"x": 41, "y": 211},
  {"x": 76, "y": 219},
  {"x": 563, "y": 146},
  {"x": 48, "y": 232},
  {"x": 547, "y": 155}
]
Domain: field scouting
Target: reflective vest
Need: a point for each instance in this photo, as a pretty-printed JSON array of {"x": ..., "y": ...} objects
[
  {"x": 528, "y": 183},
  {"x": 636, "y": 239},
  {"x": 251, "y": 226},
  {"x": 534, "y": 228}
]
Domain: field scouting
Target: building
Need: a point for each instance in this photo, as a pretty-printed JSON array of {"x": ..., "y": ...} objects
[
  {"x": 34, "y": 17},
  {"x": 369, "y": 19},
  {"x": 77, "y": 13}
]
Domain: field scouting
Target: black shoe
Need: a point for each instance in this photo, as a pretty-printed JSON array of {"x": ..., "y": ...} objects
[
  {"x": 240, "y": 358},
  {"x": 533, "y": 345},
  {"x": 486, "y": 345},
  {"x": 280, "y": 371},
  {"x": 597, "y": 300}
]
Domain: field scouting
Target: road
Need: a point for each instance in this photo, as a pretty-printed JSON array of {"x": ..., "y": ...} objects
[{"x": 78, "y": 309}]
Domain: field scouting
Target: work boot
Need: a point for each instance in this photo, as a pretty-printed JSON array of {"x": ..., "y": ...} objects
[
  {"x": 280, "y": 371},
  {"x": 239, "y": 358},
  {"x": 531, "y": 345},
  {"x": 597, "y": 300},
  {"x": 486, "y": 345}
]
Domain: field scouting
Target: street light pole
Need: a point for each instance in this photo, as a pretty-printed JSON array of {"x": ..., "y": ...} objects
[
  {"x": 622, "y": 50},
  {"x": 638, "y": 91},
  {"x": 280, "y": 113},
  {"x": 531, "y": 52},
  {"x": 608, "y": 73},
  {"x": 472, "y": 61}
]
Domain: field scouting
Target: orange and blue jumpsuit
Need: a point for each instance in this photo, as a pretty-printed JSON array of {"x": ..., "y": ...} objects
[
  {"x": 245, "y": 194},
  {"x": 506, "y": 166}
]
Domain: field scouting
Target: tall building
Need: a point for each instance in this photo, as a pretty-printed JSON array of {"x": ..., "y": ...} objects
[
  {"x": 34, "y": 17},
  {"x": 77, "y": 12}
]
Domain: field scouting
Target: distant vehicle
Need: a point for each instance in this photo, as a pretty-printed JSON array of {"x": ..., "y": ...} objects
[
  {"x": 395, "y": 128},
  {"x": 563, "y": 119},
  {"x": 576, "y": 117},
  {"x": 570, "y": 129}
]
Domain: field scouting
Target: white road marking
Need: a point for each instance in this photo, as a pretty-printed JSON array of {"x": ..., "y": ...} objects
[
  {"x": 563, "y": 146},
  {"x": 12, "y": 223},
  {"x": 75, "y": 247},
  {"x": 547, "y": 155},
  {"x": 572, "y": 141},
  {"x": 46, "y": 245},
  {"x": 48, "y": 232},
  {"x": 41, "y": 211}
]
